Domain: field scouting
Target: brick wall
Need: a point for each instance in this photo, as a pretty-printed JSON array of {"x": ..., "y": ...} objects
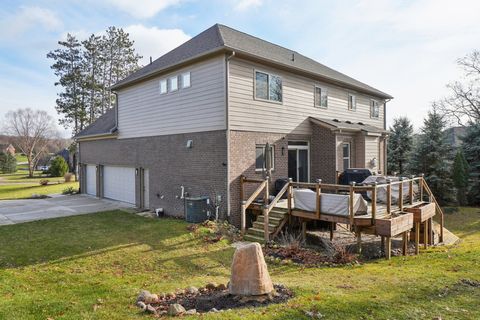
[
  {"x": 322, "y": 155},
  {"x": 242, "y": 162},
  {"x": 201, "y": 169}
]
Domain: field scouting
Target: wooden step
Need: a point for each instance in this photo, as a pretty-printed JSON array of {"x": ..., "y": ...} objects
[
  {"x": 271, "y": 219},
  {"x": 256, "y": 232},
  {"x": 259, "y": 225},
  {"x": 253, "y": 238}
]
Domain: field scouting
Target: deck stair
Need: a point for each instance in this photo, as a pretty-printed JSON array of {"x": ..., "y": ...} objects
[{"x": 276, "y": 220}]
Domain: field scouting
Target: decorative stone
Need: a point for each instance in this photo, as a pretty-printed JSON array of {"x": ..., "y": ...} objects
[
  {"x": 191, "y": 290},
  {"x": 213, "y": 310},
  {"x": 147, "y": 297},
  {"x": 221, "y": 287},
  {"x": 211, "y": 286},
  {"x": 249, "y": 272},
  {"x": 176, "y": 309},
  {"x": 161, "y": 296},
  {"x": 151, "y": 309},
  {"x": 142, "y": 305},
  {"x": 171, "y": 295},
  {"x": 180, "y": 292},
  {"x": 191, "y": 311}
]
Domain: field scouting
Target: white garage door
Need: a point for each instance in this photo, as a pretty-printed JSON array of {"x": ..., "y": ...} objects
[
  {"x": 91, "y": 177},
  {"x": 119, "y": 183}
]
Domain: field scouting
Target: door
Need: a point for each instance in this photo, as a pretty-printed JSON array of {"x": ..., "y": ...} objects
[
  {"x": 119, "y": 183},
  {"x": 299, "y": 161},
  {"x": 91, "y": 177},
  {"x": 146, "y": 189}
]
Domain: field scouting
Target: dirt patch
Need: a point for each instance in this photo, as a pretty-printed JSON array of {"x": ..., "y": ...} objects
[
  {"x": 214, "y": 300},
  {"x": 308, "y": 257}
]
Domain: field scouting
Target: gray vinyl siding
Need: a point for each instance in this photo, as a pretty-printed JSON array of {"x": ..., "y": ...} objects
[
  {"x": 291, "y": 116},
  {"x": 143, "y": 111},
  {"x": 372, "y": 149}
]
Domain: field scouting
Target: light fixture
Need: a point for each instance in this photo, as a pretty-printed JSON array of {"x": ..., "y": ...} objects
[{"x": 189, "y": 144}]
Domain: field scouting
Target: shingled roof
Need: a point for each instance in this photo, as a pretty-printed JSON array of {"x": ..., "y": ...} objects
[
  {"x": 220, "y": 38},
  {"x": 348, "y": 125},
  {"x": 105, "y": 124}
]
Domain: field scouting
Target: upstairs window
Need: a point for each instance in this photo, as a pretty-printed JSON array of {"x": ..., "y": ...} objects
[
  {"x": 173, "y": 83},
  {"x": 321, "y": 98},
  {"x": 185, "y": 80},
  {"x": 352, "y": 102},
  {"x": 268, "y": 87},
  {"x": 163, "y": 86},
  {"x": 374, "y": 109},
  {"x": 260, "y": 157}
]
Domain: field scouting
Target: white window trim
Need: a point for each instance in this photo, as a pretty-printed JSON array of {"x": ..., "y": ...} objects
[
  {"x": 190, "y": 79},
  {"x": 268, "y": 86},
  {"x": 160, "y": 86},
  {"x": 273, "y": 157},
  {"x": 302, "y": 147},
  {"x": 169, "y": 83},
  {"x": 354, "y": 107},
  {"x": 349, "y": 157},
  {"x": 323, "y": 89},
  {"x": 371, "y": 109}
]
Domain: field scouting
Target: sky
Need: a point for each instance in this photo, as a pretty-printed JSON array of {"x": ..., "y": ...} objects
[{"x": 405, "y": 48}]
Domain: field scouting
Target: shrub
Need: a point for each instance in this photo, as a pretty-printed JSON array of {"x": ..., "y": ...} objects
[
  {"x": 44, "y": 182},
  {"x": 58, "y": 167},
  {"x": 69, "y": 190},
  {"x": 8, "y": 163},
  {"x": 68, "y": 177}
]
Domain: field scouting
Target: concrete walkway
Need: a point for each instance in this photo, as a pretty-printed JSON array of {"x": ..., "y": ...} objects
[{"x": 18, "y": 211}]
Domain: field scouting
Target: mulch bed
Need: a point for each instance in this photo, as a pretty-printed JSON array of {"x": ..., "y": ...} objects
[
  {"x": 206, "y": 300},
  {"x": 307, "y": 257}
]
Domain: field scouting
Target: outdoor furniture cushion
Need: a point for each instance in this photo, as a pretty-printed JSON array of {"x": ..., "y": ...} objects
[{"x": 335, "y": 204}]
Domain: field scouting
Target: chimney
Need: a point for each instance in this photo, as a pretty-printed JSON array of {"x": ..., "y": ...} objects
[{"x": 150, "y": 59}]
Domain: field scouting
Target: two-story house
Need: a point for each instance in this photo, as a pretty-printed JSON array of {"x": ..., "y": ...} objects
[{"x": 196, "y": 119}]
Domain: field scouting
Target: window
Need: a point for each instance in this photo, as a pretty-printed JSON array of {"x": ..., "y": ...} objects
[
  {"x": 163, "y": 86},
  {"x": 186, "y": 80},
  {"x": 268, "y": 87},
  {"x": 321, "y": 98},
  {"x": 374, "y": 109},
  {"x": 260, "y": 157},
  {"x": 173, "y": 83},
  {"x": 346, "y": 155},
  {"x": 352, "y": 102}
]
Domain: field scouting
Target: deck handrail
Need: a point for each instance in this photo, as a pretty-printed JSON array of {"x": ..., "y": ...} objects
[
  {"x": 248, "y": 202},
  {"x": 437, "y": 206},
  {"x": 278, "y": 196}
]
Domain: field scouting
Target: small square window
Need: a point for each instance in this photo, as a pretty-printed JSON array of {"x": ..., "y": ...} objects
[
  {"x": 173, "y": 83},
  {"x": 352, "y": 102},
  {"x": 163, "y": 86},
  {"x": 186, "y": 80}
]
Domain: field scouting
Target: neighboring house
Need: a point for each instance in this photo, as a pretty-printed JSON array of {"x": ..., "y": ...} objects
[
  {"x": 454, "y": 136},
  {"x": 7, "y": 148},
  {"x": 195, "y": 120}
]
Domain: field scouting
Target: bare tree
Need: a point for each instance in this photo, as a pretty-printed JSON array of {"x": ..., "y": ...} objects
[
  {"x": 32, "y": 131},
  {"x": 463, "y": 105}
]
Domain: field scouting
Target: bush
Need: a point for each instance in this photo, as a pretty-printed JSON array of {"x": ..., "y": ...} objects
[
  {"x": 44, "y": 182},
  {"x": 68, "y": 177},
  {"x": 8, "y": 163},
  {"x": 58, "y": 167},
  {"x": 69, "y": 190}
]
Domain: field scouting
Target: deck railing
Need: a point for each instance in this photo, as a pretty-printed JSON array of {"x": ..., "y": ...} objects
[{"x": 319, "y": 187}]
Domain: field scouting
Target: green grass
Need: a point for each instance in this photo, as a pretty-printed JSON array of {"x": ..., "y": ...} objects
[
  {"x": 20, "y": 157},
  {"x": 22, "y": 176},
  {"x": 60, "y": 268}
]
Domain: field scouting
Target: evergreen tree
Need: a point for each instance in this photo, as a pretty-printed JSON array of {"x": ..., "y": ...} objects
[
  {"x": 58, "y": 167},
  {"x": 400, "y": 144},
  {"x": 8, "y": 162},
  {"x": 460, "y": 177},
  {"x": 471, "y": 149},
  {"x": 432, "y": 156}
]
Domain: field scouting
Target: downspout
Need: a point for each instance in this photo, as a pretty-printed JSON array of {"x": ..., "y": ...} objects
[
  {"x": 385, "y": 137},
  {"x": 227, "y": 131},
  {"x": 116, "y": 113}
]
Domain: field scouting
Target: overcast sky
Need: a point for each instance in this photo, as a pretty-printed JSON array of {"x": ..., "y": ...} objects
[{"x": 405, "y": 48}]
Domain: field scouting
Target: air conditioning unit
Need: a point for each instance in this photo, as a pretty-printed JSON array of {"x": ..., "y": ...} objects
[{"x": 197, "y": 209}]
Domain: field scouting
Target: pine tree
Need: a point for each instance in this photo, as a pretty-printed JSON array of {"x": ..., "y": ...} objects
[
  {"x": 460, "y": 177},
  {"x": 432, "y": 156},
  {"x": 400, "y": 144},
  {"x": 8, "y": 163},
  {"x": 92, "y": 74},
  {"x": 471, "y": 149}
]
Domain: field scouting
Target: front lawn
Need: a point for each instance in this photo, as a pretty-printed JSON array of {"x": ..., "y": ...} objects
[{"x": 93, "y": 266}]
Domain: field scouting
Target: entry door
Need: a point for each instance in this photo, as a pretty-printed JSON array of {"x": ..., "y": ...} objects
[{"x": 298, "y": 161}]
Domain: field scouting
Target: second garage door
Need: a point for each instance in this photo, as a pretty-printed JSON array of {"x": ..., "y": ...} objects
[{"x": 119, "y": 183}]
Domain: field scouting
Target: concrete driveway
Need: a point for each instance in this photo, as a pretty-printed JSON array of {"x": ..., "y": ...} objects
[{"x": 18, "y": 211}]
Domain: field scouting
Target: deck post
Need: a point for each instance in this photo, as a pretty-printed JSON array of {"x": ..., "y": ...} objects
[
  {"x": 421, "y": 182},
  {"x": 405, "y": 243},
  {"x": 410, "y": 189},
  {"x": 389, "y": 196},
  {"x": 374, "y": 202},
  {"x": 318, "y": 192},
  {"x": 417, "y": 237},
  {"x": 359, "y": 240},
  {"x": 352, "y": 193},
  {"x": 266, "y": 231},
  {"x": 425, "y": 234},
  {"x": 304, "y": 230},
  {"x": 243, "y": 217},
  {"x": 400, "y": 194},
  {"x": 430, "y": 231},
  {"x": 332, "y": 226},
  {"x": 289, "y": 196},
  {"x": 388, "y": 248},
  {"x": 266, "y": 194}
]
